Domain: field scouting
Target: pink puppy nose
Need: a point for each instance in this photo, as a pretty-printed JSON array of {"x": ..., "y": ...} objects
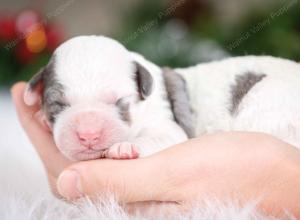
[{"x": 89, "y": 139}]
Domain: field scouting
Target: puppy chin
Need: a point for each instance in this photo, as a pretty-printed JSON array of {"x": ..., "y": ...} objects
[
  {"x": 69, "y": 145},
  {"x": 85, "y": 155},
  {"x": 77, "y": 152},
  {"x": 74, "y": 151}
]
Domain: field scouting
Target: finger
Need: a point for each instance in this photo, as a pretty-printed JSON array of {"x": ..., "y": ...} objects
[
  {"x": 128, "y": 180},
  {"x": 25, "y": 112},
  {"x": 41, "y": 139}
]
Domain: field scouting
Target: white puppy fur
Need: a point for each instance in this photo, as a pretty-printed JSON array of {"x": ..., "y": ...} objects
[
  {"x": 89, "y": 78},
  {"x": 270, "y": 105}
]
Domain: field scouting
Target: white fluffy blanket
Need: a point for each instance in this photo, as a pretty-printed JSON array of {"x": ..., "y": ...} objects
[{"x": 24, "y": 193}]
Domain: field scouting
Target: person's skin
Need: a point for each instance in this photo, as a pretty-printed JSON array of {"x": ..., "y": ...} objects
[{"x": 240, "y": 165}]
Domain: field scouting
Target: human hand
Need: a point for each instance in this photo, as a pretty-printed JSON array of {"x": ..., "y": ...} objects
[{"x": 242, "y": 165}]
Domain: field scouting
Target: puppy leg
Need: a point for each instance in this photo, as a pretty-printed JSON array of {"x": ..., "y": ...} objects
[
  {"x": 122, "y": 150},
  {"x": 150, "y": 141}
]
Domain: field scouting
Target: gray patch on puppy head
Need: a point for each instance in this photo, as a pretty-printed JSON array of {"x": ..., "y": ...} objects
[
  {"x": 179, "y": 99},
  {"x": 53, "y": 100},
  {"x": 243, "y": 85}
]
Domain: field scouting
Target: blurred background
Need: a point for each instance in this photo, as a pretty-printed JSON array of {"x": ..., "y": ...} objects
[{"x": 168, "y": 32}]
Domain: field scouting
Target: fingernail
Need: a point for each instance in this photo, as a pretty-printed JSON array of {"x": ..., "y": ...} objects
[{"x": 69, "y": 185}]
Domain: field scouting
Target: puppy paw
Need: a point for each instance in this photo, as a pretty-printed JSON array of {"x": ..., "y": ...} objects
[{"x": 123, "y": 150}]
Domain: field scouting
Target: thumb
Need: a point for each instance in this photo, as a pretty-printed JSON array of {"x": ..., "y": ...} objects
[{"x": 128, "y": 180}]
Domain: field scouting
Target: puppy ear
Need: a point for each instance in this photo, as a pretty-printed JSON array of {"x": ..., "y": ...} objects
[
  {"x": 34, "y": 88},
  {"x": 144, "y": 81}
]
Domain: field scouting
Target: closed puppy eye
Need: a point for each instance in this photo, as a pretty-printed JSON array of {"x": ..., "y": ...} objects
[
  {"x": 123, "y": 105},
  {"x": 119, "y": 102},
  {"x": 59, "y": 103},
  {"x": 124, "y": 101}
]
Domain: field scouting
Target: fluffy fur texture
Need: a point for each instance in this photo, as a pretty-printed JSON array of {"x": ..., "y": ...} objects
[{"x": 22, "y": 207}]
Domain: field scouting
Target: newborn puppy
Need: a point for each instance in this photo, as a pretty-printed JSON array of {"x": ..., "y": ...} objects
[{"x": 101, "y": 100}]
